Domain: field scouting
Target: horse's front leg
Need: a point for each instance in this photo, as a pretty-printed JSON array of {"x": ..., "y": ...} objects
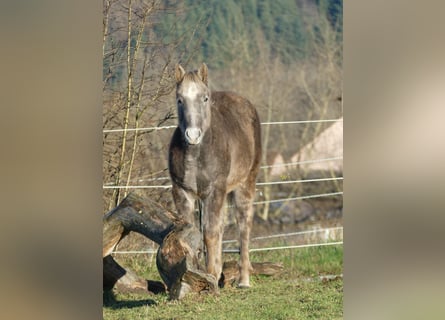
[
  {"x": 185, "y": 204},
  {"x": 213, "y": 231}
]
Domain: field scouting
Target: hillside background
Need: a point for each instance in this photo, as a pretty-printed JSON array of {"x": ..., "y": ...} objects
[{"x": 285, "y": 56}]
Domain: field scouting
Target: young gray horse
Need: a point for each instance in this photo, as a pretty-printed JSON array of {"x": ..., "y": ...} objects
[{"x": 215, "y": 153}]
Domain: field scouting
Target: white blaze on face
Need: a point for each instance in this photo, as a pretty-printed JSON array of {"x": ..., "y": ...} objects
[
  {"x": 192, "y": 132},
  {"x": 191, "y": 91}
]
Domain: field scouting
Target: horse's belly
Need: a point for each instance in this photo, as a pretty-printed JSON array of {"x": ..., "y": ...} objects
[{"x": 237, "y": 177}]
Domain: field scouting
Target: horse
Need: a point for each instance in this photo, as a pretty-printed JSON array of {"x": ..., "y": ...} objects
[{"x": 214, "y": 155}]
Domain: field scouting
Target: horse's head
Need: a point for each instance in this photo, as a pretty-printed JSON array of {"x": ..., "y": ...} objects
[{"x": 193, "y": 103}]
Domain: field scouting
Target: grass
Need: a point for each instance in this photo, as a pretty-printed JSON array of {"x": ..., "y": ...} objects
[{"x": 298, "y": 293}]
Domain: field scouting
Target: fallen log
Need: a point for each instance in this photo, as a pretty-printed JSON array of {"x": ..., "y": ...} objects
[
  {"x": 125, "y": 280},
  {"x": 138, "y": 215},
  {"x": 180, "y": 258}
]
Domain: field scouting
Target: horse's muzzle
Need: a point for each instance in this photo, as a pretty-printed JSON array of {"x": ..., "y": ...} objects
[{"x": 193, "y": 135}]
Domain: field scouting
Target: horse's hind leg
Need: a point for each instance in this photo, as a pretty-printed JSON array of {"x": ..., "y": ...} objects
[{"x": 243, "y": 199}]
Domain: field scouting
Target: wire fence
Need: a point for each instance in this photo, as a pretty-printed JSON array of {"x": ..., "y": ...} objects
[
  {"x": 110, "y": 186},
  {"x": 326, "y": 231},
  {"x": 290, "y": 234},
  {"x": 300, "y": 162},
  {"x": 258, "y": 183},
  {"x": 287, "y": 247},
  {"x": 311, "y": 196},
  {"x": 309, "y": 245},
  {"x": 265, "y": 183},
  {"x": 174, "y": 126}
]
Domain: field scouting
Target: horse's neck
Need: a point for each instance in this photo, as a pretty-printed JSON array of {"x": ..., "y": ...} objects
[{"x": 192, "y": 152}]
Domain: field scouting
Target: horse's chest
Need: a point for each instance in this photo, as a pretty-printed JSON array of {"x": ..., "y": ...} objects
[{"x": 201, "y": 173}]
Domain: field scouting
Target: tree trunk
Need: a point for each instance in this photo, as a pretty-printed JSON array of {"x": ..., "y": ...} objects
[
  {"x": 124, "y": 280},
  {"x": 179, "y": 258},
  {"x": 180, "y": 262},
  {"x": 137, "y": 215}
]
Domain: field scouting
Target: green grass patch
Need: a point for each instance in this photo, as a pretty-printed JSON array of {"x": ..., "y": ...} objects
[{"x": 297, "y": 293}]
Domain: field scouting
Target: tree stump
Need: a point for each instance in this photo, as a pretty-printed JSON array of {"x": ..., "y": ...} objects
[
  {"x": 179, "y": 258},
  {"x": 180, "y": 264}
]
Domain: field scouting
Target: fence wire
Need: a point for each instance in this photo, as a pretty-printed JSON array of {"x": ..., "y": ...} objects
[
  {"x": 153, "y": 251},
  {"x": 283, "y": 235},
  {"x": 174, "y": 126}
]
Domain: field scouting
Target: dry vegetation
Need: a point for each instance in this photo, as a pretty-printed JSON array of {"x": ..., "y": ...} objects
[
  {"x": 139, "y": 92},
  {"x": 304, "y": 84}
]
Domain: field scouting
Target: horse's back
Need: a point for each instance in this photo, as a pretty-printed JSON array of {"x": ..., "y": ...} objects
[
  {"x": 236, "y": 116},
  {"x": 234, "y": 108}
]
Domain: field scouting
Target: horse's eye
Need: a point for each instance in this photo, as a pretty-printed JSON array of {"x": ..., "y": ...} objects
[{"x": 206, "y": 99}]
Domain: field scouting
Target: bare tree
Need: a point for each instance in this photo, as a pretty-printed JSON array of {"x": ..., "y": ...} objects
[
  {"x": 138, "y": 66},
  {"x": 138, "y": 89}
]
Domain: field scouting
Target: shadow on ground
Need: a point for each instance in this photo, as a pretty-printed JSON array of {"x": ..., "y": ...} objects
[{"x": 109, "y": 301}]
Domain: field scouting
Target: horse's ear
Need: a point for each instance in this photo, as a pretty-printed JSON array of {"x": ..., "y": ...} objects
[
  {"x": 202, "y": 73},
  {"x": 179, "y": 73}
]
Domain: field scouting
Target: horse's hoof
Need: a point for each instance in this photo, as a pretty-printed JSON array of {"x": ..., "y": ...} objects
[{"x": 243, "y": 286}]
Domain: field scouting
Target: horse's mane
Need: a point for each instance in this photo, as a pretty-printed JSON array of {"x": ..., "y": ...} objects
[{"x": 192, "y": 76}]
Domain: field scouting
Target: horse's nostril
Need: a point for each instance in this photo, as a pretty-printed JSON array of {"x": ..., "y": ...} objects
[{"x": 193, "y": 135}]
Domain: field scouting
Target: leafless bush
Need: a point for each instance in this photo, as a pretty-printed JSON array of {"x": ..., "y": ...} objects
[
  {"x": 138, "y": 67},
  {"x": 138, "y": 92}
]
